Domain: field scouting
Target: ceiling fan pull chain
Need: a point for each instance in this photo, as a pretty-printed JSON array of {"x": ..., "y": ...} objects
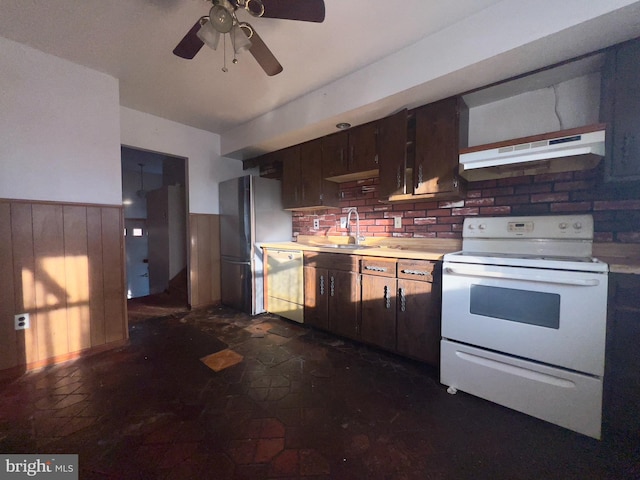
[
  {"x": 224, "y": 49},
  {"x": 233, "y": 47}
]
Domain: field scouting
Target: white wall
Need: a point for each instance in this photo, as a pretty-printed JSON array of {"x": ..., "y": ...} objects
[
  {"x": 206, "y": 168},
  {"x": 573, "y": 103},
  {"x": 59, "y": 129}
]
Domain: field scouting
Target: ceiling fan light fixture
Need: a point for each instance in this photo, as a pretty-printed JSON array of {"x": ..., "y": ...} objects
[
  {"x": 240, "y": 40},
  {"x": 209, "y": 35},
  {"x": 220, "y": 19},
  {"x": 254, "y": 7}
]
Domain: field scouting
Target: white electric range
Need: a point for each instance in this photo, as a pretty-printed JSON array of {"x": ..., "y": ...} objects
[{"x": 524, "y": 317}]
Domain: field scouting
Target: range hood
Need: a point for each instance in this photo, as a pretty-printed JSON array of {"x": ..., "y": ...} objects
[{"x": 566, "y": 150}]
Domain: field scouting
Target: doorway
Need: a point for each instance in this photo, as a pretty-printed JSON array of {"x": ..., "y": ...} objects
[{"x": 155, "y": 216}]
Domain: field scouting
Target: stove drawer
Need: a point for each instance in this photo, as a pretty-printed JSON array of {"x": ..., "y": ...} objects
[{"x": 558, "y": 396}]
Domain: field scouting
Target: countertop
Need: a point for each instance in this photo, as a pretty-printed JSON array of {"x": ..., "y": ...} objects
[
  {"x": 622, "y": 258},
  {"x": 416, "y": 249}
]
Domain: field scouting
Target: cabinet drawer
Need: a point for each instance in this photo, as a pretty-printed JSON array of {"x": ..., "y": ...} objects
[
  {"x": 331, "y": 261},
  {"x": 384, "y": 267},
  {"x": 416, "y": 270}
]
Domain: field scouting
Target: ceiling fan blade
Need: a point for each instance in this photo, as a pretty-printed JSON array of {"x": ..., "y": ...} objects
[
  {"x": 262, "y": 54},
  {"x": 303, "y": 10},
  {"x": 190, "y": 44}
]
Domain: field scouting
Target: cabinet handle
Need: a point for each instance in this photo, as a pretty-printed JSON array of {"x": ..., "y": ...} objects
[
  {"x": 375, "y": 269},
  {"x": 398, "y": 178},
  {"x": 352, "y": 154},
  {"x": 420, "y": 175},
  {"x": 332, "y": 286},
  {"x": 387, "y": 297},
  {"x": 376, "y": 160},
  {"x": 403, "y": 300},
  {"x": 416, "y": 272},
  {"x": 321, "y": 284}
]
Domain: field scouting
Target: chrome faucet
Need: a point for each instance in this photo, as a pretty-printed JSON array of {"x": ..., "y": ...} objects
[{"x": 349, "y": 212}]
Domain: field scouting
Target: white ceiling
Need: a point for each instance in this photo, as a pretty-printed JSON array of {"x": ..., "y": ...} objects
[{"x": 133, "y": 40}]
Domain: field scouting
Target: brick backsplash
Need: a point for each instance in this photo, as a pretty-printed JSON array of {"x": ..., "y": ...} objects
[{"x": 616, "y": 215}]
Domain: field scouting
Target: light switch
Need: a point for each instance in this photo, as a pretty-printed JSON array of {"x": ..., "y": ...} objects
[{"x": 397, "y": 222}]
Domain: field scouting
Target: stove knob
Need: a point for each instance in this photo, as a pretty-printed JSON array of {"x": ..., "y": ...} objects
[
  {"x": 577, "y": 225},
  {"x": 563, "y": 226},
  {"x": 471, "y": 226},
  {"x": 482, "y": 226}
]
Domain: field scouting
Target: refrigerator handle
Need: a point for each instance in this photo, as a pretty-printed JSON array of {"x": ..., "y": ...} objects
[{"x": 236, "y": 262}]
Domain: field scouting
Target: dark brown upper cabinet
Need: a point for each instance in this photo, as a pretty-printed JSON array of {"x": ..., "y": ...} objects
[
  {"x": 620, "y": 110},
  {"x": 350, "y": 154},
  {"x": 441, "y": 130},
  {"x": 392, "y": 154},
  {"x": 302, "y": 183}
]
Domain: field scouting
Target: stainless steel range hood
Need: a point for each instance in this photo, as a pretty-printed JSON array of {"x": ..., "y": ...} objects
[{"x": 567, "y": 150}]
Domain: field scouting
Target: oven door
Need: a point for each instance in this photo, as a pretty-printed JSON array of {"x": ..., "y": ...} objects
[{"x": 550, "y": 316}]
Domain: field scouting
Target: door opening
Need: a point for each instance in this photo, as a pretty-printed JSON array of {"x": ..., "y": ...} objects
[{"x": 155, "y": 217}]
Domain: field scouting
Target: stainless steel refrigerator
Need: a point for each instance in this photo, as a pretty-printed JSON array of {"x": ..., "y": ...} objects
[{"x": 250, "y": 214}]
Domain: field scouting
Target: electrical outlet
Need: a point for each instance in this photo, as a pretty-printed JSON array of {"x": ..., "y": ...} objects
[
  {"x": 316, "y": 223},
  {"x": 397, "y": 222},
  {"x": 343, "y": 222},
  {"x": 22, "y": 321}
]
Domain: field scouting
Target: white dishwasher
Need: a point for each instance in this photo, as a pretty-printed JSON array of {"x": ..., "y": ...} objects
[{"x": 284, "y": 285}]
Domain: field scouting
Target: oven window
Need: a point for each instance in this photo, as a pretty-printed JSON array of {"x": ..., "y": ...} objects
[{"x": 523, "y": 306}]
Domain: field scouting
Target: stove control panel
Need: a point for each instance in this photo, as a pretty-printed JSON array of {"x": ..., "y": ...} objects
[
  {"x": 575, "y": 227},
  {"x": 520, "y": 227}
]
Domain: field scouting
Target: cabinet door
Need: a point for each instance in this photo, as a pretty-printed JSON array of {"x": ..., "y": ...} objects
[
  {"x": 335, "y": 155},
  {"x": 418, "y": 321},
  {"x": 621, "y": 410},
  {"x": 392, "y": 154},
  {"x": 621, "y": 112},
  {"x": 311, "y": 174},
  {"x": 363, "y": 154},
  {"x": 437, "y": 144},
  {"x": 316, "y": 294},
  {"x": 378, "y": 324},
  {"x": 344, "y": 303},
  {"x": 291, "y": 187}
]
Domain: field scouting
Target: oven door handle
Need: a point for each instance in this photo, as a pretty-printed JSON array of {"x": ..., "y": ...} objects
[{"x": 591, "y": 282}]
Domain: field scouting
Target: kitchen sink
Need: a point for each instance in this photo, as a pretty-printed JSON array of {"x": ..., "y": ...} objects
[{"x": 346, "y": 246}]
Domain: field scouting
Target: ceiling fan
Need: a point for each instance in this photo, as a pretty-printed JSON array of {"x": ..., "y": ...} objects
[{"x": 222, "y": 19}]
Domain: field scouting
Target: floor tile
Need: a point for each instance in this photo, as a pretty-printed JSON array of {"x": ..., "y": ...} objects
[{"x": 300, "y": 404}]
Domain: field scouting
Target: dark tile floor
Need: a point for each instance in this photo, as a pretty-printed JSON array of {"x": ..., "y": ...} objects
[{"x": 301, "y": 404}]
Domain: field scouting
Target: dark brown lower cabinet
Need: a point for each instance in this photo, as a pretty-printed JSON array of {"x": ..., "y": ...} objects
[
  {"x": 316, "y": 305},
  {"x": 332, "y": 292},
  {"x": 378, "y": 300},
  {"x": 621, "y": 411},
  {"x": 417, "y": 329},
  {"x": 400, "y": 307},
  {"x": 390, "y": 303},
  {"x": 344, "y": 303}
]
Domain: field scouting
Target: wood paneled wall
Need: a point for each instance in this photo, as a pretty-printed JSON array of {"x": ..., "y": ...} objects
[
  {"x": 204, "y": 251},
  {"x": 64, "y": 265}
]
